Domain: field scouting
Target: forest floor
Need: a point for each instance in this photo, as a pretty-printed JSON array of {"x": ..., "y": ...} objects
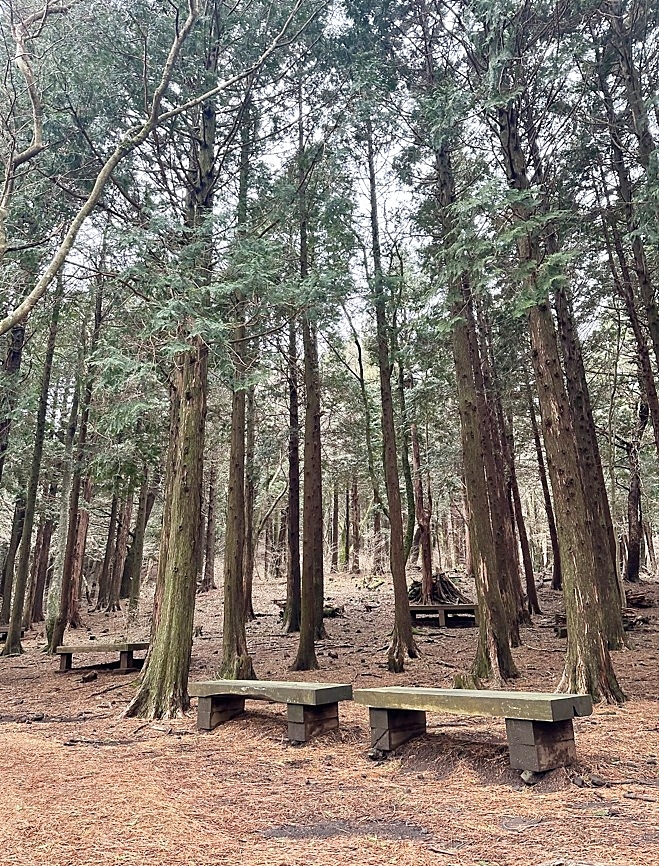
[{"x": 80, "y": 785}]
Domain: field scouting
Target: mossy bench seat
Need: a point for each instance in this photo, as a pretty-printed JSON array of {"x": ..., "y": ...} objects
[
  {"x": 538, "y": 726},
  {"x": 312, "y": 708},
  {"x": 447, "y": 614},
  {"x": 125, "y": 650}
]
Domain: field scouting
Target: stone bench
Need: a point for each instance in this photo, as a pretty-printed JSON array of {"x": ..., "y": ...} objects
[
  {"x": 312, "y": 708},
  {"x": 125, "y": 650},
  {"x": 445, "y": 613},
  {"x": 538, "y": 726}
]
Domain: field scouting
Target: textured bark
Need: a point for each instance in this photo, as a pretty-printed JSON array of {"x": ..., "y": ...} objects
[
  {"x": 250, "y": 498},
  {"x": 402, "y": 639},
  {"x": 13, "y": 643},
  {"x": 355, "y": 515},
  {"x": 120, "y": 552},
  {"x": 106, "y": 568},
  {"x": 8, "y": 566},
  {"x": 133, "y": 564},
  {"x": 40, "y": 562},
  {"x": 293, "y": 577},
  {"x": 82, "y": 527},
  {"x": 163, "y": 691},
  {"x": 208, "y": 577},
  {"x": 557, "y": 575},
  {"x": 422, "y": 519},
  {"x": 334, "y": 566},
  {"x": 634, "y": 508},
  {"x": 11, "y": 366}
]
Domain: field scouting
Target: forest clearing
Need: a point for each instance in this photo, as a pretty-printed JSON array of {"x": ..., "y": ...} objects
[
  {"x": 314, "y": 315},
  {"x": 121, "y": 791}
]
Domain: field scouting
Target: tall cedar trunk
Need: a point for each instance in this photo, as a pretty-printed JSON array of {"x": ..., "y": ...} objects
[
  {"x": 345, "y": 558},
  {"x": 250, "y": 498},
  {"x": 13, "y": 642},
  {"x": 8, "y": 567},
  {"x": 379, "y": 543},
  {"x": 67, "y": 592},
  {"x": 120, "y": 552},
  {"x": 208, "y": 578},
  {"x": 106, "y": 568},
  {"x": 422, "y": 519},
  {"x": 355, "y": 522},
  {"x": 293, "y": 577},
  {"x": 590, "y": 466},
  {"x": 634, "y": 509},
  {"x": 402, "y": 639},
  {"x": 82, "y": 527},
  {"x": 410, "y": 522},
  {"x": 312, "y": 531},
  {"x": 493, "y": 655},
  {"x": 55, "y": 587},
  {"x": 516, "y": 507},
  {"x": 9, "y": 386},
  {"x": 163, "y": 690},
  {"x": 505, "y": 545},
  {"x": 133, "y": 564},
  {"x": 40, "y": 562},
  {"x": 334, "y": 565},
  {"x": 557, "y": 575}
]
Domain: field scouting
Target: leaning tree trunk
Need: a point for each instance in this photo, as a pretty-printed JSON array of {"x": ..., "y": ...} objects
[{"x": 163, "y": 691}]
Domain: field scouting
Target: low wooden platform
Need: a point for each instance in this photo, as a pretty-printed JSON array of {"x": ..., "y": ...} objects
[
  {"x": 127, "y": 664},
  {"x": 447, "y": 614},
  {"x": 538, "y": 725},
  {"x": 313, "y": 708}
]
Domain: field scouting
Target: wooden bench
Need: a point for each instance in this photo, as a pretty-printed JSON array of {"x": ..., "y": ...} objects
[
  {"x": 125, "y": 650},
  {"x": 312, "y": 708},
  {"x": 4, "y": 631},
  {"x": 539, "y": 726},
  {"x": 446, "y": 613}
]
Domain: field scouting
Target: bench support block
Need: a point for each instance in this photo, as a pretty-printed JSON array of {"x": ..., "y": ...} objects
[
  {"x": 65, "y": 662},
  {"x": 214, "y": 710},
  {"x": 126, "y": 663},
  {"x": 305, "y": 721},
  {"x": 540, "y": 746},
  {"x": 392, "y": 728}
]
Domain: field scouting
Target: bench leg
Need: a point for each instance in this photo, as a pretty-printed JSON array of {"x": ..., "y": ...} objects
[
  {"x": 392, "y": 728},
  {"x": 441, "y": 618},
  {"x": 306, "y": 721},
  {"x": 214, "y": 710},
  {"x": 126, "y": 661},
  {"x": 540, "y": 746},
  {"x": 65, "y": 661}
]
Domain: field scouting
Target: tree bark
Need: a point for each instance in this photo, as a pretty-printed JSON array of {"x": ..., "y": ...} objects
[{"x": 293, "y": 577}]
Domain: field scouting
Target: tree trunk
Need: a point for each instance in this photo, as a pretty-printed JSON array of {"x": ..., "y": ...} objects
[
  {"x": 250, "y": 497},
  {"x": 422, "y": 519},
  {"x": 293, "y": 577},
  {"x": 402, "y": 639},
  {"x": 9, "y": 386},
  {"x": 120, "y": 552},
  {"x": 634, "y": 509},
  {"x": 163, "y": 690},
  {"x": 208, "y": 579},
  {"x": 8, "y": 567},
  {"x": 334, "y": 566},
  {"x": 106, "y": 569},
  {"x": 133, "y": 564},
  {"x": 82, "y": 526},
  {"x": 13, "y": 642},
  {"x": 40, "y": 563},
  {"x": 355, "y": 521}
]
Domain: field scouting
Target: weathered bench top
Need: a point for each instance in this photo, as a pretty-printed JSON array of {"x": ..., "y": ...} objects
[
  {"x": 538, "y": 706},
  {"x": 310, "y": 694},
  {"x": 94, "y": 647}
]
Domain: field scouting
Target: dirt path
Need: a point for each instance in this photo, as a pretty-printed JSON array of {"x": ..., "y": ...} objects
[{"x": 82, "y": 786}]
